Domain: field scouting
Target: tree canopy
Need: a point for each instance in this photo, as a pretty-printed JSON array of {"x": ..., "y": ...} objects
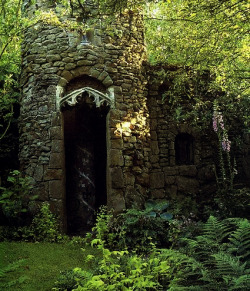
[{"x": 195, "y": 35}]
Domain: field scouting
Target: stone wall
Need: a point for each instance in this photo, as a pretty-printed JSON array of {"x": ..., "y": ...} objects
[
  {"x": 192, "y": 174},
  {"x": 53, "y": 58}
]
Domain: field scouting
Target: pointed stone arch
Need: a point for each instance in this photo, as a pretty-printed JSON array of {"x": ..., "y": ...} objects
[{"x": 85, "y": 103}]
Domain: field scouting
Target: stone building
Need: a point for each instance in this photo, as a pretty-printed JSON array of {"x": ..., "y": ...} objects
[{"x": 93, "y": 129}]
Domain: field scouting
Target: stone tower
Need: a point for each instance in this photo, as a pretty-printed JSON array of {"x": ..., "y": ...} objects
[{"x": 84, "y": 119}]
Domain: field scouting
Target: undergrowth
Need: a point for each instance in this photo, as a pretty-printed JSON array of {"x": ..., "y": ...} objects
[{"x": 215, "y": 259}]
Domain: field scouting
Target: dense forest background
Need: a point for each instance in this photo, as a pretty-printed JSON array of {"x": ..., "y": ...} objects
[{"x": 199, "y": 37}]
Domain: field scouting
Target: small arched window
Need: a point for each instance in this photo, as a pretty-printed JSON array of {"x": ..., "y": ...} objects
[{"x": 184, "y": 149}]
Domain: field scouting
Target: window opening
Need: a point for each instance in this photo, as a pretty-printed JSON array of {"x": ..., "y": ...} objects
[{"x": 184, "y": 149}]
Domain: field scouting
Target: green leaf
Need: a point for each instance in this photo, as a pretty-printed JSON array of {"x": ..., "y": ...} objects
[
  {"x": 151, "y": 214},
  {"x": 166, "y": 216}
]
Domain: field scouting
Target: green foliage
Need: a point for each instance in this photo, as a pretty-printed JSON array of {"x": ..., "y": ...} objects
[
  {"x": 117, "y": 270},
  {"x": 68, "y": 280},
  {"x": 10, "y": 59},
  {"x": 202, "y": 39},
  {"x": 44, "y": 226},
  {"x": 232, "y": 203},
  {"x": 217, "y": 259},
  {"x": 15, "y": 197},
  {"x": 139, "y": 228},
  {"x": 12, "y": 267},
  {"x": 134, "y": 228}
]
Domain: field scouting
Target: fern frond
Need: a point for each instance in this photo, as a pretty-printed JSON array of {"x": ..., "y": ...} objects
[
  {"x": 216, "y": 230},
  {"x": 228, "y": 265},
  {"x": 241, "y": 283},
  {"x": 240, "y": 240}
]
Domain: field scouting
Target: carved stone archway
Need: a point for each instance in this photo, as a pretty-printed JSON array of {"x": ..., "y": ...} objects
[
  {"x": 78, "y": 95},
  {"x": 85, "y": 111}
]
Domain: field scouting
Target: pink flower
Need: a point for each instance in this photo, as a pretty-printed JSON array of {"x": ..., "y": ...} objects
[
  {"x": 218, "y": 121},
  {"x": 215, "y": 127},
  {"x": 226, "y": 143}
]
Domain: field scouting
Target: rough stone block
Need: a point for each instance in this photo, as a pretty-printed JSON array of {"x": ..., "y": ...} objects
[
  {"x": 67, "y": 75},
  {"x": 153, "y": 135},
  {"x": 57, "y": 207},
  {"x": 187, "y": 185},
  {"x": 53, "y": 58},
  {"x": 56, "y": 132},
  {"x": 129, "y": 179},
  {"x": 102, "y": 76},
  {"x": 133, "y": 198},
  {"x": 128, "y": 161},
  {"x": 68, "y": 60},
  {"x": 107, "y": 81},
  {"x": 56, "y": 189},
  {"x": 70, "y": 66},
  {"x": 117, "y": 201},
  {"x": 157, "y": 180},
  {"x": 116, "y": 158},
  {"x": 117, "y": 179},
  {"x": 56, "y": 161},
  {"x": 85, "y": 63},
  {"x": 57, "y": 146},
  {"x": 207, "y": 173},
  {"x": 188, "y": 170},
  {"x": 94, "y": 73},
  {"x": 38, "y": 173},
  {"x": 154, "y": 159},
  {"x": 143, "y": 179},
  {"x": 172, "y": 161},
  {"x": 171, "y": 191},
  {"x": 41, "y": 192},
  {"x": 53, "y": 174},
  {"x": 154, "y": 147},
  {"x": 158, "y": 193},
  {"x": 117, "y": 143},
  {"x": 169, "y": 180}
]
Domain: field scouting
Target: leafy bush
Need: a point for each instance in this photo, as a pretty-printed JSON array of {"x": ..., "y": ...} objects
[
  {"x": 68, "y": 280},
  {"x": 216, "y": 259},
  {"x": 15, "y": 196},
  {"x": 116, "y": 270},
  {"x": 44, "y": 226},
  {"x": 233, "y": 203},
  {"x": 134, "y": 228}
]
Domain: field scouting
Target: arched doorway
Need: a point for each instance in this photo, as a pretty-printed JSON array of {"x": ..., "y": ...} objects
[{"x": 85, "y": 156}]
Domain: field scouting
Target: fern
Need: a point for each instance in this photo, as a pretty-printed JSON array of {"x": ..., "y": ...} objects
[
  {"x": 218, "y": 259},
  {"x": 241, "y": 283},
  {"x": 240, "y": 241},
  {"x": 227, "y": 265},
  {"x": 215, "y": 230}
]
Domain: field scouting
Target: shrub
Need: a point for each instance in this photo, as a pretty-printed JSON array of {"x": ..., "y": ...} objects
[
  {"x": 116, "y": 270},
  {"x": 44, "y": 226},
  {"x": 134, "y": 228},
  {"x": 15, "y": 197}
]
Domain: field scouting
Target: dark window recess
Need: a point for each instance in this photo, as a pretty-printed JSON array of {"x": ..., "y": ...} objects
[{"x": 184, "y": 149}]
